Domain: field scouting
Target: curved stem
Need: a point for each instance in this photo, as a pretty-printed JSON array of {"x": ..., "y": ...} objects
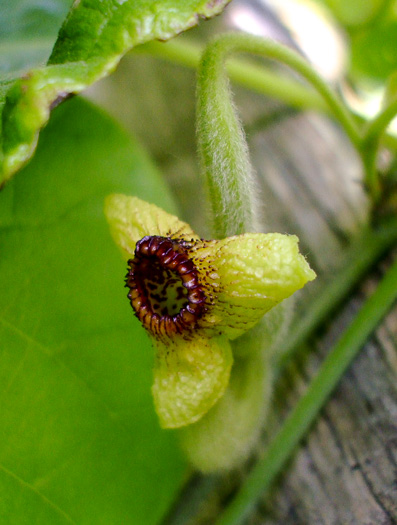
[
  {"x": 254, "y": 77},
  {"x": 293, "y": 93},
  {"x": 370, "y": 144},
  {"x": 308, "y": 407},
  {"x": 242, "y": 43},
  {"x": 221, "y": 139},
  {"x": 223, "y": 149}
]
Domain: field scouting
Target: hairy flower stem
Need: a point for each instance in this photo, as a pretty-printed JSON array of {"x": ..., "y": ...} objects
[
  {"x": 269, "y": 83},
  {"x": 223, "y": 149},
  {"x": 249, "y": 75},
  {"x": 221, "y": 139},
  {"x": 308, "y": 407}
]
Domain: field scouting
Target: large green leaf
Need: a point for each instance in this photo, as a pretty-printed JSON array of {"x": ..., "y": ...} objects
[
  {"x": 94, "y": 37},
  {"x": 79, "y": 439}
]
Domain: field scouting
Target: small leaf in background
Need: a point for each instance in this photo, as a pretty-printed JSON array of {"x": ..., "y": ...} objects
[
  {"x": 371, "y": 32},
  {"x": 354, "y": 12},
  {"x": 79, "y": 439},
  {"x": 93, "y": 39},
  {"x": 374, "y": 51}
]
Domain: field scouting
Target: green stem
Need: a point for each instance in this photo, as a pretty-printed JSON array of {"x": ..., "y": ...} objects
[
  {"x": 269, "y": 84},
  {"x": 294, "y": 94},
  {"x": 362, "y": 254},
  {"x": 221, "y": 139},
  {"x": 251, "y": 76},
  {"x": 223, "y": 148},
  {"x": 308, "y": 407},
  {"x": 370, "y": 145}
]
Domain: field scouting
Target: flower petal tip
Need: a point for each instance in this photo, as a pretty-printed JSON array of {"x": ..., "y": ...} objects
[
  {"x": 189, "y": 378},
  {"x": 257, "y": 271}
]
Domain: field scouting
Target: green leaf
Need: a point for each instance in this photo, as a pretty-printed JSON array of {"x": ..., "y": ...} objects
[
  {"x": 374, "y": 51},
  {"x": 354, "y": 12},
  {"x": 28, "y": 31},
  {"x": 79, "y": 439},
  {"x": 95, "y": 36}
]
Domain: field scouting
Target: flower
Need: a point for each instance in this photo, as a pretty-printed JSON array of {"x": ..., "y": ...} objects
[{"x": 193, "y": 296}]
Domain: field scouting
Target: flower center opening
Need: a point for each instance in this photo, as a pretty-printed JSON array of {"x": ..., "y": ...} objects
[{"x": 165, "y": 291}]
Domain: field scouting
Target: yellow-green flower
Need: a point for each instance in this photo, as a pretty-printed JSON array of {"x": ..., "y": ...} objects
[{"x": 193, "y": 296}]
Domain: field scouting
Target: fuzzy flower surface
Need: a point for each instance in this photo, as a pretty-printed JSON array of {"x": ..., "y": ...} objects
[{"x": 194, "y": 296}]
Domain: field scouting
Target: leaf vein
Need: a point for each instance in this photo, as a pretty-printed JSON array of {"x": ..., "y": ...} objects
[
  {"x": 112, "y": 415},
  {"x": 46, "y": 500}
]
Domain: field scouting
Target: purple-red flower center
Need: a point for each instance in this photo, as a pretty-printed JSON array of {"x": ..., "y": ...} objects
[{"x": 165, "y": 290}]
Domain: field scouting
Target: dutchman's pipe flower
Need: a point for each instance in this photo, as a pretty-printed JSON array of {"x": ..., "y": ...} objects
[{"x": 193, "y": 296}]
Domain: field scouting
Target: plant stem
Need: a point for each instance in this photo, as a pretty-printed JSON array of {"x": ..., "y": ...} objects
[
  {"x": 370, "y": 145},
  {"x": 249, "y": 75},
  {"x": 243, "y": 43},
  {"x": 294, "y": 94},
  {"x": 223, "y": 148},
  {"x": 363, "y": 253},
  {"x": 221, "y": 139},
  {"x": 308, "y": 407}
]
